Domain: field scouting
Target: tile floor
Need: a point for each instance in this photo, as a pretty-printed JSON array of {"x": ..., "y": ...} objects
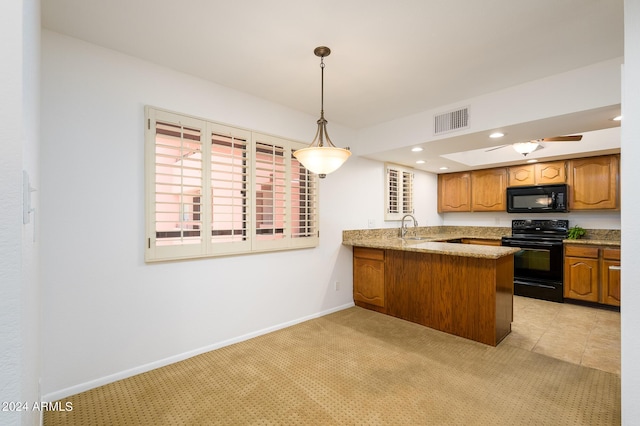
[{"x": 582, "y": 335}]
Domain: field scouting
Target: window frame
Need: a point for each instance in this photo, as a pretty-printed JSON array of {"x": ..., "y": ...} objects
[{"x": 295, "y": 209}]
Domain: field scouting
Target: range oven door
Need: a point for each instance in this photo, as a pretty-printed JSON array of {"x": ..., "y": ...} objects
[{"x": 538, "y": 268}]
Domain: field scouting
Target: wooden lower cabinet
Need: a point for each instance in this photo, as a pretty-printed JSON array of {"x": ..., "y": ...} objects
[
  {"x": 592, "y": 274},
  {"x": 610, "y": 277},
  {"x": 465, "y": 296},
  {"x": 368, "y": 277}
]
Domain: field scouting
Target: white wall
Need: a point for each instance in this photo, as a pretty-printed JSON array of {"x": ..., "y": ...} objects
[
  {"x": 630, "y": 173},
  {"x": 11, "y": 205},
  {"x": 19, "y": 287},
  {"x": 106, "y": 313}
]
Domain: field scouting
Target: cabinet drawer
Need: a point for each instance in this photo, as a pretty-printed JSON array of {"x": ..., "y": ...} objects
[
  {"x": 611, "y": 254},
  {"x": 481, "y": 241},
  {"x": 581, "y": 251},
  {"x": 368, "y": 253}
]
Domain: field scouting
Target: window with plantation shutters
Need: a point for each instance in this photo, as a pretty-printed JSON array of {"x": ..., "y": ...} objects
[
  {"x": 398, "y": 192},
  {"x": 214, "y": 190}
]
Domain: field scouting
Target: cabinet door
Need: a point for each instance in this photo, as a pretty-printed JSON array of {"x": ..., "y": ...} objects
[
  {"x": 488, "y": 190},
  {"x": 522, "y": 175},
  {"x": 454, "y": 192},
  {"x": 581, "y": 278},
  {"x": 594, "y": 183},
  {"x": 368, "y": 276},
  {"x": 610, "y": 277},
  {"x": 551, "y": 172}
]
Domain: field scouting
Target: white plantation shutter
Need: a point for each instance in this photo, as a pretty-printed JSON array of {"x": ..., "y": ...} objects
[
  {"x": 304, "y": 202},
  {"x": 398, "y": 192},
  {"x": 286, "y": 196},
  {"x": 270, "y": 191},
  {"x": 230, "y": 189},
  {"x": 213, "y": 189},
  {"x": 407, "y": 192},
  {"x": 393, "y": 191},
  {"x": 174, "y": 186}
]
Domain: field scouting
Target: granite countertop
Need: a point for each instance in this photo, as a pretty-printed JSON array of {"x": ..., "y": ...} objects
[
  {"x": 584, "y": 241},
  {"x": 436, "y": 247},
  {"x": 598, "y": 237},
  {"x": 432, "y": 240}
]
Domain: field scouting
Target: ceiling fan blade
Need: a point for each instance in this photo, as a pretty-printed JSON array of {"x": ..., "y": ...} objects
[
  {"x": 563, "y": 139},
  {"x": 495, "y": 147}
]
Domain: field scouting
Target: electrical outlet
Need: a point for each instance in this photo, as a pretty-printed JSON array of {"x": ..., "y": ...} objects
[{"x": 336, "y": 285}]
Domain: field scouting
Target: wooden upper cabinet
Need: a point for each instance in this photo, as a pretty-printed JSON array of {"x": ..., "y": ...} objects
[
  {"x": 522, "y": 175},
  {"x": 594, "y": 183},
  {"x": 454, "y": 192},
  {"x": 538, "y": 174},
  {"x": 550, "y": 173},
  {"x": 488, "y": 190}
]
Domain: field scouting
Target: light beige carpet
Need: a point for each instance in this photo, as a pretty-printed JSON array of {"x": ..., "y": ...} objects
[{"x": 355, "y": 367}]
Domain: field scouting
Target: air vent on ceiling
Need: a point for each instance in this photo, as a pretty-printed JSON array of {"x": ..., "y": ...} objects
[{"x": 451, "y": 121}]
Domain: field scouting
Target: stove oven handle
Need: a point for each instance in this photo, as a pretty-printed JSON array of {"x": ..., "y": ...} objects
[{"x": 525, "y": 244}]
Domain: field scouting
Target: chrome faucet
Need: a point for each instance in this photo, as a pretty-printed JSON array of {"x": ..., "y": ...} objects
[{"x": 403, "y": 226}]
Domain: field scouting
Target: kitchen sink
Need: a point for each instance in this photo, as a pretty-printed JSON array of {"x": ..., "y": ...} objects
[{"x": 413, "y": 240}]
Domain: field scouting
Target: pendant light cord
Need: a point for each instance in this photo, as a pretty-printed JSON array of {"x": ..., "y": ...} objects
[{"x": 322, "y": 87}]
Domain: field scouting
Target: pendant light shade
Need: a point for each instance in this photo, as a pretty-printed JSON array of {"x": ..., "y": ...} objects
[
  {"x": 525, "y": 148},
  {"x": 322, "y": 156}
]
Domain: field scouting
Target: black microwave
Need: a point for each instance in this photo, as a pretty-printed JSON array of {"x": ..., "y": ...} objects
[{"x": 537, "y": 199}]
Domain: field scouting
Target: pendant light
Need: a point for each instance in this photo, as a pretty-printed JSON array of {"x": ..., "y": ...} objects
[{"x": 322, "y": 156}]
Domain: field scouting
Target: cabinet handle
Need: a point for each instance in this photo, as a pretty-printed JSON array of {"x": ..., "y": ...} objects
[{"x": 614, "y": 268}]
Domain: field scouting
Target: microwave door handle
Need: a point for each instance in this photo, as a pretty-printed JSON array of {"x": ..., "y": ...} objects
[{"x": 554, "y": 200}]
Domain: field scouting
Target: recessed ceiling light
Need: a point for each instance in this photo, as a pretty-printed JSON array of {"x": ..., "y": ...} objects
[
  {"x": 618, "y": 118},
  {"x": 420, "y": 162},
  {"x": 416, "y": 149},
  {"x": 444, "y": 168},
  {"x": 532, "y": 161},
  {"x": 496, "y": 135}
]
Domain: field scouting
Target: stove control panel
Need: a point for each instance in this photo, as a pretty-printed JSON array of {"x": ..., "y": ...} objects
[{"x": 540, "y": 225}]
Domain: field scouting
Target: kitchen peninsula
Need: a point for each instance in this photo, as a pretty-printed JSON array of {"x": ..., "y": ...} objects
[{"x": 461, "y": 289}]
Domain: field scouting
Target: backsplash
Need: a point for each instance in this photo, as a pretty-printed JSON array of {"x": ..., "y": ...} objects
[
  {"x": 467, "y": 231},
  {"x": 602, "y": 234}
]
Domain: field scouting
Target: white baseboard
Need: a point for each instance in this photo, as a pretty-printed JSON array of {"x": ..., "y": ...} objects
[{"x": 82, "y": 387}]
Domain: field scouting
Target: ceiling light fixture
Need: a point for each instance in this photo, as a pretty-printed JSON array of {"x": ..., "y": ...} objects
[
  {"x": 617, "y": 118},
  {"x": 496, "y": 135},
  {"x": 320, "y": 157},
  {"x": 416, "y": 149},
  {"x": 420, "y": 162},
  {"x": 525, "y": 148}
]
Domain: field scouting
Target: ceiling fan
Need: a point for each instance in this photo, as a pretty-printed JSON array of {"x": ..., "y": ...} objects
[{"x": 528, "y": 147}]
